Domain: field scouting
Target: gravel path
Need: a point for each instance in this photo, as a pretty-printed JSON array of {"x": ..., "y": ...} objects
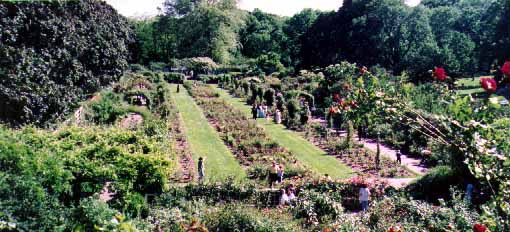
[{"x": 410, "y": 163}]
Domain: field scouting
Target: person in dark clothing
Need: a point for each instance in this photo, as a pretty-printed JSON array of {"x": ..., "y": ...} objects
[
  {"x": 254, "y": 111},
  {"x": 178, "y": 88},
  {"x": 201, "y": 174},
  {"x": 399, "y": 157}
]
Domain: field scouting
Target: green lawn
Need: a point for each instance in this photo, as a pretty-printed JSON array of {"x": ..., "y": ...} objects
[
  {"x": 469, "y": 86},
  {"x": 204, "y": 141},
  {"x": 468, "y": 82},
  {"x": 305, "y": 152}
]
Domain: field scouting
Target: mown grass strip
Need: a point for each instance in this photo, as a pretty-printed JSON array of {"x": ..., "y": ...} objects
[
  {"x": 304, "y": 151},
  {"x": 205, "y": 142}
]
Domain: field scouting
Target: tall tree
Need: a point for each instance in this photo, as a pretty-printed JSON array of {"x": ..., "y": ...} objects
[
  {"x": 294, "y": 29},
  {"x": 54, "y": 53}
]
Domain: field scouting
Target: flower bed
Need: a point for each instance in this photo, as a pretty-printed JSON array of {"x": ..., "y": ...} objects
[
  {"x": 355, "y": 156},
  {"x": 249, "y": 143}
]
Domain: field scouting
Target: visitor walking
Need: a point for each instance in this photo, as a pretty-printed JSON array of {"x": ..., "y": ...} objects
[
  {"x": 399, "y": 157},
  {"x": 262, "y": 113},
  {"x": 273, "y": 176},
  {"x": 201, "y": 173},
  {"x": 178, "y": 88},
  {"x": 364, "y": 197},
  {"x": 254, "y": 111},
  {"x": 469, "y": 192},
  {"x": 278, "y": 117},
  {"x": 280, "y": 173}
]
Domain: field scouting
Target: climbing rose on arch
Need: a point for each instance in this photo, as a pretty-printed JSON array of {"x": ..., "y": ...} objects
[
  {"x": 440, "y": 73},
  {"x": 505, "y": 69},
  {"x": 489, "y": 84}
]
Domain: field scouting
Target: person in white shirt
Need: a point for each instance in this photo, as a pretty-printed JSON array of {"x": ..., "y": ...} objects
[
  {"x": 278, "y": 117},
  {"x": 284, "y": 198},
  {"x": 292, "y": 196},
  {"x": 364, "y": 197}
]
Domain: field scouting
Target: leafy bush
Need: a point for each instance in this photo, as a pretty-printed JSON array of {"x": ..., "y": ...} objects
[
  {"x": 106, "y": 110},
  {"x": 318, "y": 207},
  {"x": 43, "y": 174},
  {"x": 57, "y": 53},
  {"x": 93, "y": 214},
  {"x": 239, "y": 218},
  {"x": 435, "y": 184},
  {"x": 174, "y": 77}
]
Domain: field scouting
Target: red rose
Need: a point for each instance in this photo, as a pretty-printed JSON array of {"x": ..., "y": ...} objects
[
  {"x": 489, "y": 84},
  {"x": 354, "y": 104},
  {"x": 505, "y": 69},
  {"x": 440, "y": 74},
  {"x": 479, "y": 228},
  {"x": 336, "y": 97}
]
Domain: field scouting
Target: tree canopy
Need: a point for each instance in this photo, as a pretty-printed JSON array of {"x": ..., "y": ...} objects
[{"x": 55, "y": 53}]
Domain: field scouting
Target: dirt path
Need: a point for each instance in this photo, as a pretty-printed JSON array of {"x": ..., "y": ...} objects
[
  {"x": 186, "y": 163},
  {"x": 410, "y": 163}
]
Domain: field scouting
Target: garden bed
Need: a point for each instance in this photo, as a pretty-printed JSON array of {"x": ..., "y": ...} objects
[
  {"x": 360, "y": 159},
  {"x": 249, "y": 143}
]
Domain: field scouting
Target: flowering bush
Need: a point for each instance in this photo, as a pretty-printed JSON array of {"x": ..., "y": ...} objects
[
  {"x": 489, "y": 84},
  {"x": 440, "y": 73},
  {"x": 318, "y": 207},
  {"x": 505, "y": 69}
]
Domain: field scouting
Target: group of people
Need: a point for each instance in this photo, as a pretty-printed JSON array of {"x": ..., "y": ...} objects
[
  {"x": 262, "y": 111},
  {"x": 288, "y": 196},
  {"x": 259, "y": 111}
]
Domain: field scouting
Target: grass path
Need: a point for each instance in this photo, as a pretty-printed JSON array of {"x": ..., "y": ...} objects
[
  {"x": 204, "y": 141},
  {"x": 304, "y": 151}
]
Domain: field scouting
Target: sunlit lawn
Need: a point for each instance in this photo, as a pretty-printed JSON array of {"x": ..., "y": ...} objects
[
  {"x": 307, "y": 153},
  {"x": 205, "y": 141}
]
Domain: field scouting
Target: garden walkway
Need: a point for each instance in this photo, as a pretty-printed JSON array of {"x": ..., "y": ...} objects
[
  {"x": 307, "y": 153},
  {"x": 409, "y": 162},
  {"x": 204, "y": 141}
]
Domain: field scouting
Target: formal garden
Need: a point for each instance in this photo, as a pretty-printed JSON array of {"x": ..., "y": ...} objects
[{"x": 378, "y": 116}]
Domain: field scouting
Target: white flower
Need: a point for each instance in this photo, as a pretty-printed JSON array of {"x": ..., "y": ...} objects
[{"x": 494, "y": 100}]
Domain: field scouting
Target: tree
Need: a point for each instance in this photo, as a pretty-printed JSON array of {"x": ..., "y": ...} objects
[
  {"x": 54, "y": 53},
  {"x": 263, "y": 33},
  {"x": 294, "y": 29},
  {"x": 270, "y": 63}
]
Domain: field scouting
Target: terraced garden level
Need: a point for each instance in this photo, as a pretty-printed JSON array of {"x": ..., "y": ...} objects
[
  {"x": 205, "y": 142},
  {"x": 304, "y": 151}
]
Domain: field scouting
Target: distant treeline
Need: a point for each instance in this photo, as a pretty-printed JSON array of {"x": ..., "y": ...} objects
[{"x": 463, "y": 36}]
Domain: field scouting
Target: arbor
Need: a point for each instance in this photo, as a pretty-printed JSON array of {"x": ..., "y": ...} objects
[{"x": 54, "y": 53}]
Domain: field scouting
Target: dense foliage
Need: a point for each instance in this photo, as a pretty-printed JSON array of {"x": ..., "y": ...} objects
[{"x": 55, "y": 53}]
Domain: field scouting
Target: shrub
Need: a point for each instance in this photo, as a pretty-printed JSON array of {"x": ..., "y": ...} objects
[
  {"x": 318, "y": 207},
  {"x": 175, "y": 78},
  {"x": 157, "y": 66},
  {"x": 435, "y": 184},
  {"x": 239, "y": 218},
  {"x": 93, "y": 214},
  {"x": 106, "y": 110},
  {"x": 137, "y": 68},
  {"x": 81, "y": 45}
]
